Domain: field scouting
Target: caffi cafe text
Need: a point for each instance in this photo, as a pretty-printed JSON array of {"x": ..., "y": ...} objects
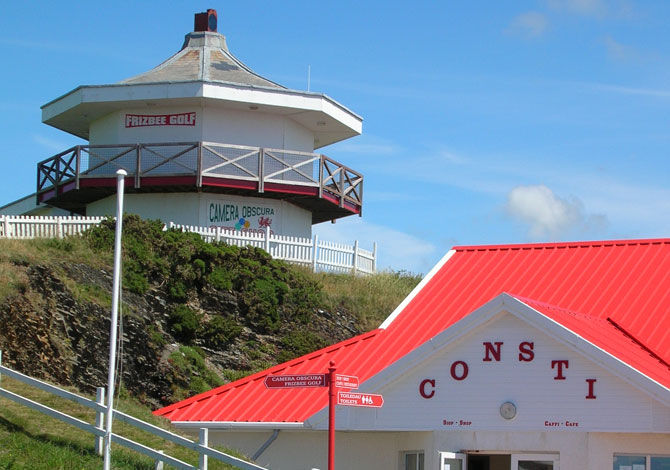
[{"x": 491, "y": 352}]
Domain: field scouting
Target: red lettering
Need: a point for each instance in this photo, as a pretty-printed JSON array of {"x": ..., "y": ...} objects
[
  {"x": 464, "y": 372},
  {"x": 422, "y": 388},
  {"x": 495, "y": 352},
  {"x": 560, "y": 364},
  {"x": 526, "y": 353},
  {"x": 591, "y": 395}
]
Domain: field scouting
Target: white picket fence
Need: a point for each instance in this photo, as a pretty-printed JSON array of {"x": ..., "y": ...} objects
[
  {"x": 23, "y": 227},
  {"x": 320, "y": 255}
]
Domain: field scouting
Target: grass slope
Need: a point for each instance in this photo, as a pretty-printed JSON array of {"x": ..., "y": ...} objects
[{"x": 32, "y": 440}]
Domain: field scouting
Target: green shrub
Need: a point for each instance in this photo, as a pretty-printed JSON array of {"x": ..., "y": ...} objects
[
  {"x": 184, "y": 323},
  {"x": 300, "y": 342},
  {"x": 219, "y": 331}
]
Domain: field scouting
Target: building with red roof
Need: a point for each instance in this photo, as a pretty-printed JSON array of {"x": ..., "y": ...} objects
[{"x": 533, "y": 356}]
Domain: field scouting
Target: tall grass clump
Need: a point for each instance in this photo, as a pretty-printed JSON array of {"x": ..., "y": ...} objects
[{"x": 370, "y": 298}]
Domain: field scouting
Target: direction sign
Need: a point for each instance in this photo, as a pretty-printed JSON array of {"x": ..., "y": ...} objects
[
  {"x": 295, "y": 381},
  {"x": 346, "y": 381},
  {"x": 371, "y": 400}
]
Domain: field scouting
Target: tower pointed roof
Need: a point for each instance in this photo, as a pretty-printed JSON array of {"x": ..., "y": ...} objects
[
  {"x": 203, "y": 73},
  {"x": 205, "y": 57}
]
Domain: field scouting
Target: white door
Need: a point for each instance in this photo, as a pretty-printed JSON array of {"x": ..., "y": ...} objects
[
  {"x": 535, "y": 462},
  {"x": 453, "y": 461}
]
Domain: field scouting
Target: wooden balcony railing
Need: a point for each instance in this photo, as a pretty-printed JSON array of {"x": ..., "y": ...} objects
[{"x": 204, "y": 160}]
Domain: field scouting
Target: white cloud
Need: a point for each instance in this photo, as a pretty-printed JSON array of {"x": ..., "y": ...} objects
[
  {"x": 530, "y": 24},
  {"x": 396, "y": 250},
  {"x": 594, "y": 8},
  {"x": 549, "y": 215},
  {"x": 619, "y": 51}
]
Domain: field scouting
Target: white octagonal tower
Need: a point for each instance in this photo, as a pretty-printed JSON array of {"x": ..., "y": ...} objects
[{"x": 205, "y": 141}]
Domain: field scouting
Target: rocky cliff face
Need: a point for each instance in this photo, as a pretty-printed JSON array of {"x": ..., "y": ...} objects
[{"x": 55, "y": 326}]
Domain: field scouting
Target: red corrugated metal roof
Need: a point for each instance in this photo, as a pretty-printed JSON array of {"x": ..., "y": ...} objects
[
  {"x": 620, "y": 288},
  {"x": 610, "y": 337}
]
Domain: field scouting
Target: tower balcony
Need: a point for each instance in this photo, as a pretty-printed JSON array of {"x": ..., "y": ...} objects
[{"x": 86, "y": 173}]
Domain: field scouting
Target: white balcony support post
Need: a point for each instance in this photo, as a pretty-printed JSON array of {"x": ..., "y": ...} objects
[
  {"x": 203, "y": 441},
  {"x": 99, "y": 418}
]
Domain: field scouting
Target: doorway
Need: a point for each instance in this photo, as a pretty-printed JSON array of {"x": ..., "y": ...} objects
[{"x": 477, "y": 461}]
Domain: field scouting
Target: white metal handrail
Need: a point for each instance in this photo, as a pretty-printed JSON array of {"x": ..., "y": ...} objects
[{"x": 200, "y": 447}]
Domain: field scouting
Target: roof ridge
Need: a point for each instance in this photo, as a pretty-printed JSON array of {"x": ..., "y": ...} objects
[
  {"x": 269, "y": 371},
  {"x": 572, "y": 244},
  {"x": 638, "y": 342},
  {"x": 557, "y": 308}
]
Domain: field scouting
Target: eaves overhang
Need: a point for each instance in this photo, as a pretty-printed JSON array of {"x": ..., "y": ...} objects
[
  {"x": 327, "y": 119},
  {"x": 239, "y": 425}
]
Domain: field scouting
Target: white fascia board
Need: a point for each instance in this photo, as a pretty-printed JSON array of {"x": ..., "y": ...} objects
[
  {"x": 298, "y": 101},
  {"x": 596, "y": 354},
  {"x": 62, "y": 104},
  {"x": 123, "y": 94},
  {"x": 416, "y": 290},
  {"x": 242, "y": 426}
]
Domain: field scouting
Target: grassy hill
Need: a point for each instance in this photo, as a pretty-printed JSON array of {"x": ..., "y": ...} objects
[{"x": 194, "y": 315}]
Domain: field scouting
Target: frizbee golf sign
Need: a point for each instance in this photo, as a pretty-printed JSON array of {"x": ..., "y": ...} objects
[
  {"x": 296, "y": 381},
  {"x": 371, "y": 400}
]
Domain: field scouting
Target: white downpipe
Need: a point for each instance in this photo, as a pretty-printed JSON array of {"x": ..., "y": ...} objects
[{"x": 120, "y": 174}]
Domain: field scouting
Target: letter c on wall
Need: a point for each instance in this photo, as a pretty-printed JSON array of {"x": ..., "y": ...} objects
[{"x": 422, "y": 388}]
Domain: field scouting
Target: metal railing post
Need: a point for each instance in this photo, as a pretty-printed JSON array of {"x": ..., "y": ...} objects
[
  {"x": 159, "y": 463},
  {"x": 99, "y": 418},
  {"x": 203, "y": 441}
]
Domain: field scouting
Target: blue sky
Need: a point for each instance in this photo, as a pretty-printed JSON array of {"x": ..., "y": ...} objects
[{"x": 485, "y": 122}]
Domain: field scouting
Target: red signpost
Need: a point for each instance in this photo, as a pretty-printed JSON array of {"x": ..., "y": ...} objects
[
  {"x": 370, "y": 400},
  {"x": 333, "y": 381}
]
